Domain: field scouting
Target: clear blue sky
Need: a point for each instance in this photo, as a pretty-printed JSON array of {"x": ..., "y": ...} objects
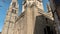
[{"x": 4, "y": 4}]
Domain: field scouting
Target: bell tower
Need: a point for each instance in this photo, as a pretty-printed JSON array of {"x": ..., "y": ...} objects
[{"x": 11, "y": 17}]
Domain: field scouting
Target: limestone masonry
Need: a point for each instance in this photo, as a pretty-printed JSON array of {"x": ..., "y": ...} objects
[{"x": 32, "y": 20}]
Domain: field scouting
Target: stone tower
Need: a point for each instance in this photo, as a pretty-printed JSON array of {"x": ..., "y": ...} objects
[
  {"x": 11, "y": 16},
  {"x": 48, "y": 7},
  {"x": 31, "y": 9},
  {"x": 38, "y": 3}
]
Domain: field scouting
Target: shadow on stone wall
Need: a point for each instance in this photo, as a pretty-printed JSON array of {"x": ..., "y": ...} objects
[
  {"x": 41, "y": 24},
  {"x": 0, "y": 32}
]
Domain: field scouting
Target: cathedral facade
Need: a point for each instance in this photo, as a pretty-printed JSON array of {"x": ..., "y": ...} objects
[{"x": 32, "y": 20}]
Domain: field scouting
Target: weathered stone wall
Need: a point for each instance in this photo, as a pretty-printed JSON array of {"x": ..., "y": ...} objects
[
  {"x": 0, "y": 32},
  {"x": 32, "y": 22},
  {"x": 21, "y": 24}
]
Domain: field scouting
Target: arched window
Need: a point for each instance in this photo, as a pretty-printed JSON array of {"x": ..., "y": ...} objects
[
  {"x": 14, "y": 4},
  {"x": 13, "y": 11}
]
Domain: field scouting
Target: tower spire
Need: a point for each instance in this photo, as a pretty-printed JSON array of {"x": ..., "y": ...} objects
[
  {"x": 11, "y": 16},
  {"x": 48, "y": 7}
]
